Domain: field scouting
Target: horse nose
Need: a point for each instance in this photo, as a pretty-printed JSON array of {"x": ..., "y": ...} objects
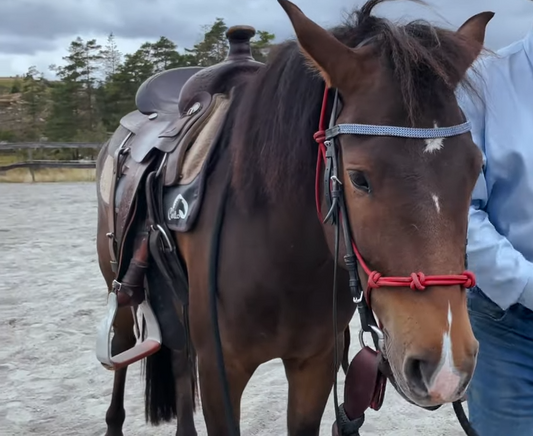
[
  {"x": 436, "y": 377},
  {"x": 419, "y": 372}
]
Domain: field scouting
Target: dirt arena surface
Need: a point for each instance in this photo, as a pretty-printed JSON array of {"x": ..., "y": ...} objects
[{"x": 52, "y": 298}]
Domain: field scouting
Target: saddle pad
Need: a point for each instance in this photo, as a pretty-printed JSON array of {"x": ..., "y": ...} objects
[
  {"x": 197, "y": 153},
  {"x": 182, "y": 201}
]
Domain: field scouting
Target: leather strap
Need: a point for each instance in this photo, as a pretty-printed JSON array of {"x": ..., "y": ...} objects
[
  {"x": 162, "y": 247},
  {"x": 361, "y": 382}
]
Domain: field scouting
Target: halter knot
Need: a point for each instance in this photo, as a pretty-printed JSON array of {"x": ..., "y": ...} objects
[
  {"x": 418, "y": 281},
  {"x": 320, "y": 136},
  {"x": 470, "y": 281},
  {"x": 373, "y": 279}
]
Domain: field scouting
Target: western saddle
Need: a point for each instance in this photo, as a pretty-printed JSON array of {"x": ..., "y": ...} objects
[{"x": 152, "y": 182}]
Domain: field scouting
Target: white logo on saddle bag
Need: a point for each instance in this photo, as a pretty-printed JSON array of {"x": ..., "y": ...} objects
[{"x": 179, "y": 209}]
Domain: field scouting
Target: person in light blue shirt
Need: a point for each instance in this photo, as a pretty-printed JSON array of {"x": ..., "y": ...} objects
[{"x": 500, "y": 242}]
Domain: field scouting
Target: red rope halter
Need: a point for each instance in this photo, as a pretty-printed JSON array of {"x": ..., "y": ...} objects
[{"x": 416, "y": 281}]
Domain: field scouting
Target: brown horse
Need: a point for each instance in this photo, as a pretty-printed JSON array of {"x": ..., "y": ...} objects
[{"x": 406, "y": 204}]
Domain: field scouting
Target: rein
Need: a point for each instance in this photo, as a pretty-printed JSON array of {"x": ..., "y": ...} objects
[{"x": 327, "y": 161}]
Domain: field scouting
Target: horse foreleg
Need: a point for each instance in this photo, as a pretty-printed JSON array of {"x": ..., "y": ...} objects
[
  {"x": 238, "y": 375},
  {"x": 185, "y": 379},
  {"x": 122, "y": 341},
  {"x": 310, "y": 381}
]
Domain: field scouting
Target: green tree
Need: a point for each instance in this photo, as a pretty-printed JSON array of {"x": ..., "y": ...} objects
[
  {"x": 118, "y": 95},
  {"x": 34, "y": 99},
  {"x": 164, "y": 54},
  {"x": 214, "y": 47},
  {"x": 16, "y": 87},
  {"x": 97, "y": 85},
  {"x": 73, "y": 98},
  {"x": 111, "y": 57},
  {"x": 261, "y": 44}
]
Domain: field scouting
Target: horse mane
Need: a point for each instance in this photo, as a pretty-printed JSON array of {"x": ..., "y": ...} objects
[{"x": 277, "y": 110}]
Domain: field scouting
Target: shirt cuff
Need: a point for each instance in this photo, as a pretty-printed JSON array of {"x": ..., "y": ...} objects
[{"x": 526, "y": 299}]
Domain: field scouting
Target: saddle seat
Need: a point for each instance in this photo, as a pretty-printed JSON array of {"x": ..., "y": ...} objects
[{"x": 160, "y": 93}]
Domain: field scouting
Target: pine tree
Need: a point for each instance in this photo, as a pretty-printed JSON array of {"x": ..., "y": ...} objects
[
  {"x": 34, "y": 100},
  {"x": 16, "y": 87},
  {"x": 261, "y": 44},
  {"x": 73, "y": 105},
  {"x": 164, "y": 54},
  {"x": 111, "y": 57},
  {"x": 96, "y": 85},
  {"x": 214, "y": 47}
]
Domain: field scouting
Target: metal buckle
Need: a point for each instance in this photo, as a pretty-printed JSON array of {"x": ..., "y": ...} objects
[
  {"x": 142, "y": 348},
  {"x": 116, "y": 286},
  {"x": 377, "y": 336},
  {"x": 334, "y": 178}
]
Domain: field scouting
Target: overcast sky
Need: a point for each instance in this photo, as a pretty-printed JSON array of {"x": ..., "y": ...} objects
[{"x": 37, "y": 32}]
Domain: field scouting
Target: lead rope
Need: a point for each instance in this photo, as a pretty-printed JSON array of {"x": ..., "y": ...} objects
[
  {"x": 335, "y": 342},
  {"x": 458, "y": 405}
]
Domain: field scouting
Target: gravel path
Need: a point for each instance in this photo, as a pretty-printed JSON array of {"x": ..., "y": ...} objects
[{"x": 52, "y": 297}]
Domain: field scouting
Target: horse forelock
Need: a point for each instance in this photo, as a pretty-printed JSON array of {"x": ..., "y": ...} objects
[{"x": 277, "y": 110}]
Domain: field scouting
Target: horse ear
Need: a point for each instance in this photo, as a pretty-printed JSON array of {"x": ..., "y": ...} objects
[
  {"x": 338, "y": 65},
  {"x": 474, "y": 29}
]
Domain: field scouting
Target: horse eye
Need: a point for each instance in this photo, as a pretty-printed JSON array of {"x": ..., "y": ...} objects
[{"x": 359, "y": 181}]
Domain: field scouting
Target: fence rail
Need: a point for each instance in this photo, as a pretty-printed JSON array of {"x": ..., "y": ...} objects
[
  {"x": 14, "y": 146},
  {"x": 38, "y": 164},
  {"x": 38, "y": 156}
]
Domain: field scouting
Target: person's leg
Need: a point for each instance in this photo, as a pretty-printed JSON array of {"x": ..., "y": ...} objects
[{"x": 500, "y": 396}]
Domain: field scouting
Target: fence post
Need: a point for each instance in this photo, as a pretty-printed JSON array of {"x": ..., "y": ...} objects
[{"x": 30, "y": 157}]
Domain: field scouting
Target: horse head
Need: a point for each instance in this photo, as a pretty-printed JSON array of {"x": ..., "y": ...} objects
[{"x": 406, "y": 190}]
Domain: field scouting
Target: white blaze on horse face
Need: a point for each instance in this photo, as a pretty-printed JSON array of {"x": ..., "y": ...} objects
[
  {"x": 433, "y": 144},
  {"x": 436, "y": 201},
  {"x": 446, "y": 380}
]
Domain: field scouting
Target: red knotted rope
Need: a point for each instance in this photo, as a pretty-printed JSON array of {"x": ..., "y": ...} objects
[{"x": 416, "y": 281}]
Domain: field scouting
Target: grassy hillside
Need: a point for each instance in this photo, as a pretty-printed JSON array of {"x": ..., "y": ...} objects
[
  {"x": 7, "y": 81},
  {"x": 6, "y": 84}
]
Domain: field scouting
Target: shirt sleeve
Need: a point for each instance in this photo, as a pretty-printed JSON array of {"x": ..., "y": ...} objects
[{"x": 502, "y": 272}]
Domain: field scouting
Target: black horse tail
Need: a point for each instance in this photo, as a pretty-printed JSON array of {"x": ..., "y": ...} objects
[{"x": 160, "y": 389}]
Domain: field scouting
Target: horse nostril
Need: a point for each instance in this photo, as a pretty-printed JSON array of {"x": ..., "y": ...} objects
[{"x": 418, "y": 373}]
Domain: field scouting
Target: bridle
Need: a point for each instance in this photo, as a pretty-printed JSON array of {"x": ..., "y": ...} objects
[
  {"x": 336, "y": 206},
  {"x": 328, "y": 160}
]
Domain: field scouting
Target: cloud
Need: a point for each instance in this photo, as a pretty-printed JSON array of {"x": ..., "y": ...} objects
[{"x": 37, "y": 32}]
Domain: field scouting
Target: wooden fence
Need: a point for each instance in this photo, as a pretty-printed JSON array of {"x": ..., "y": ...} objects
[
  {"x": 37, "y": 164},
  {"x": 22, "y": 155},
  {"x": 15, "y": 146}
]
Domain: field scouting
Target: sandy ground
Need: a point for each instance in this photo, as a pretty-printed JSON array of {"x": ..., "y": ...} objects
[{"x": 52, "y": 298}]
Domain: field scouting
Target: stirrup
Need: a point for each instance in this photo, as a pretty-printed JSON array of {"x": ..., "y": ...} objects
[{"x": 142, "y": 348}]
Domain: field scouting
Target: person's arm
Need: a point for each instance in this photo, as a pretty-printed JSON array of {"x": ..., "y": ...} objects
[{"x": 502, "y": 272}]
